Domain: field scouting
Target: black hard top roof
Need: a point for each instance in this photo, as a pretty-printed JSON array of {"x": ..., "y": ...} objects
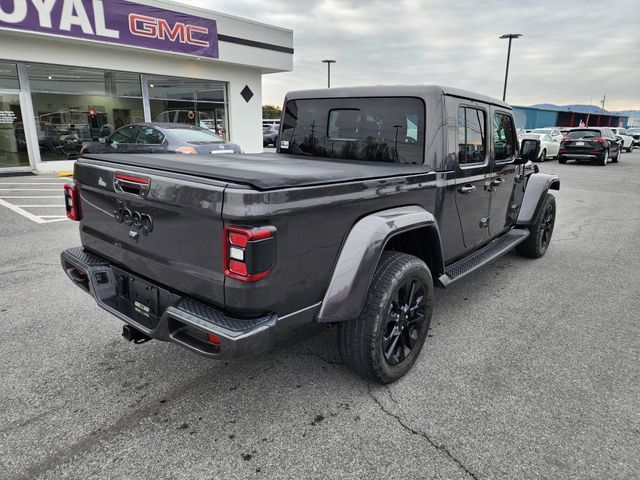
[{"x": 425, "y": 92}]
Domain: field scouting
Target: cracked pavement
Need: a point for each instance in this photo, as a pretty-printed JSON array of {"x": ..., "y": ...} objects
[{"x": 530, "y": 372}]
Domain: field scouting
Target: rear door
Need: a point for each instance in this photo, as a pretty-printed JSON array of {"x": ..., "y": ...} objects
[
  {"x": 501, "y": 182},
  {"x": 472, "y": 171}
]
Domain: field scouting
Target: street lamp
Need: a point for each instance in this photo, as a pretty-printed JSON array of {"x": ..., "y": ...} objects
[
  {"x": 510, "y": 36},
  {"x": 328, "y": 62}
]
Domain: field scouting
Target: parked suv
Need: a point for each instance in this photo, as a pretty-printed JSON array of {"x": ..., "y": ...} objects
[
  {"x": 626, "y": 140},
  {"x": 375, "y": 196},
  {"x": 593, "y": 144}
]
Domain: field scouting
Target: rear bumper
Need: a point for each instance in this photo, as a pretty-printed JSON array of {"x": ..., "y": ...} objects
[
  {"x": 182, "y": 320},
  {"x": 581, "y": 156}
]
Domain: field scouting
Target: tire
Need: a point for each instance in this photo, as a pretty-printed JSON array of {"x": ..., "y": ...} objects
[
  {"x": 388, "y": 319},
  {"x": 562, "y": 160},
  {"x": 630, "y": 149},
  {"x": 605, "y": 157},
  {"x": 543, "y": 156},
  {"x": 541, "y": 231},
  {"x": 617, "y": 157}
]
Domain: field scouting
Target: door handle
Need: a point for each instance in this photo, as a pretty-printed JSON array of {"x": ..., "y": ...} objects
[
  {"x": 467, "y": 189},
  {"x": 497, "y": 182}
]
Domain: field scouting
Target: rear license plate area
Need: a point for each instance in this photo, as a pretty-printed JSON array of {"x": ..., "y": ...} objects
[{"x": 142, "y": 295}]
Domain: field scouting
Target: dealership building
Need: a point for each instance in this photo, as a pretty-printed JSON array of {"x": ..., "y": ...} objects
[{"x": 73, "y": 71}]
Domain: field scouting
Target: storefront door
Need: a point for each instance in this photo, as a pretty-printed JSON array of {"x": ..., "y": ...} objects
[{"x": 13, "y": 144}]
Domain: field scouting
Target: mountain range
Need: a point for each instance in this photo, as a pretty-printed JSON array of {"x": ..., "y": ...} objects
[{"x": 585, "y": 109}]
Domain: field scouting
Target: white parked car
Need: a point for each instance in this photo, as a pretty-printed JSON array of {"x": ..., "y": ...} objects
[
  {"x": 554, "y": 132},
  {"x": 549, "y": 146},
  {"x": 626, "y": 140}
]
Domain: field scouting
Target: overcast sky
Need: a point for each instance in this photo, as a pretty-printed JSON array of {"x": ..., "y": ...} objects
[{"x": 572, "y": 51}]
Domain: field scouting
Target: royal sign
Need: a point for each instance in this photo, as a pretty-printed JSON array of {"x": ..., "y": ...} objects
[{"x": 114, "y": 21}]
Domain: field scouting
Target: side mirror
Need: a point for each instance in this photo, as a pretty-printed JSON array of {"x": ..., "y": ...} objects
[{"x": 529, "y": 151}]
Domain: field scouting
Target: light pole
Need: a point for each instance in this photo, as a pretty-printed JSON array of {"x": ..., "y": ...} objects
[
  {"x": 328, "y": 62},
  {"x": 510, "y": 36}
]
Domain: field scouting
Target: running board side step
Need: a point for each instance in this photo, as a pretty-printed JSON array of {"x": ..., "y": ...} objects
[{"x": 480, "y": 258}]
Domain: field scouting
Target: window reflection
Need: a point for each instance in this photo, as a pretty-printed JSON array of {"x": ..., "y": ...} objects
[
  {"x": 471, "y": 135},
  {"x": 371, "y": 129}
]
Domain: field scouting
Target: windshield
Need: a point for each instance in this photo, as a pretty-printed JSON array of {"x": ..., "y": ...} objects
[
  {"x": 196, "y": 135},
  {"x": 371, "y": 129},
  {"x": 573, "y": 134}
]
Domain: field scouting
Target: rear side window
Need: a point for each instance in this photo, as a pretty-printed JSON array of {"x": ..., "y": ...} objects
[
  {"x": 575, "y": 134},
  {"x": 125, "y": 135},
  {"x": 376, "y": 129},
  {"x": 504, "y": 138},
  {"x": 471, "y": 135}
]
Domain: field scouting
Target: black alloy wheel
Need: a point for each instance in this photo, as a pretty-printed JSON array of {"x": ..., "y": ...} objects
[
  {"x": 405, "y": 321},
  {"x": 546, "y": 228},
  {"x": 383, "y": 343},
  {"x": 536, "y": 245}
]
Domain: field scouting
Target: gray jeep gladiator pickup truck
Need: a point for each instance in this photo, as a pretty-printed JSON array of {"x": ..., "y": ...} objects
[{"x": 375, "y": 196}]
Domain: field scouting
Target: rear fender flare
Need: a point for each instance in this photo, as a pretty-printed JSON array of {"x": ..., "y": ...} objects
[
  {"x": 360, "y": 255},
  {"x": 538, "y": 185}
]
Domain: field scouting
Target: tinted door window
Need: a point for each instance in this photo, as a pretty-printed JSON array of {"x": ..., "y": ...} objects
[
  {"x": 504, "y": 138},
  {"x": 471, "y": 135}
]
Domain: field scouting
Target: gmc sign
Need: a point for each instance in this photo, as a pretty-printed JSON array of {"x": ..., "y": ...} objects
[
  {"x": 114, "y": 21},
  {"x": 159, "y": 28}
]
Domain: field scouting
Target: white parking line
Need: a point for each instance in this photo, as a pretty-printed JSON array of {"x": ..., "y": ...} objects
[
  {"x": 35, "y": 196},
  {"x": 20, "y": 211},
  {"x": 40, "y": 206}
]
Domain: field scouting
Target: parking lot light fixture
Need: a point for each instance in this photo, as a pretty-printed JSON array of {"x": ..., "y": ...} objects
[
  {"x": 328, "y": 62},
  {"x": 510, "y": 36}
]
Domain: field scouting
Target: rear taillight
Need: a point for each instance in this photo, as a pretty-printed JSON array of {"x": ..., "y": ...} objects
[
  {"x": 601, "y": 140},
  {"x": 72, "y": 201},
  {"x": 187, "y": 150},
  {"x": 565, "y": 139},
  {"x": 249, "y": 253}
]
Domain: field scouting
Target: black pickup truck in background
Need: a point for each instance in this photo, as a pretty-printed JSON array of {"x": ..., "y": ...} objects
[{"x": 375, "y": 196}]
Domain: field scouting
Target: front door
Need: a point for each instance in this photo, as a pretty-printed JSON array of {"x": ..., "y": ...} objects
[
  {"x": 503, "y": 181},
  {"x": 472, "y": 171},
  {"x": 13, "y": 141}
]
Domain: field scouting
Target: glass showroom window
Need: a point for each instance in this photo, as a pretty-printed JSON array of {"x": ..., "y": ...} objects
[
  {"x": 13, "y": 146},
  {"x": 75, "y": 106},
  {"x": 194, "y": 102}
]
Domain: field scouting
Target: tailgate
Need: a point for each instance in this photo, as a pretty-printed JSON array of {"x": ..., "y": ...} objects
[{"x": 166, "y": 228}]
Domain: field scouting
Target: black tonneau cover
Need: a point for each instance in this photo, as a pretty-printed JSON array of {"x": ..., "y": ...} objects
[{"x": 266, "y": 171}]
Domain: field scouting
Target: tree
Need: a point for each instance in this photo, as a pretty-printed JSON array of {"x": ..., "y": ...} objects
[{"x": 271, "y": 111}]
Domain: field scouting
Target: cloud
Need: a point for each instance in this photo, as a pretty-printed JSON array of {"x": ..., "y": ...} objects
[{"x": 571, "y": 51}]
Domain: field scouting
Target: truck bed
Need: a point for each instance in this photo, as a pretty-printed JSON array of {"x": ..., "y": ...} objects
[{"x": 266, "y": 171}]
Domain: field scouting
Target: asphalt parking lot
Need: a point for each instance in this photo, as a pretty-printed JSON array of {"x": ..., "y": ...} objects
[{"x": 531, "y": 370}]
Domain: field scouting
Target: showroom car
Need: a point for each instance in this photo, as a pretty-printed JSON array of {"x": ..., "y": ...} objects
[{"x": 162, "y": 138}]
